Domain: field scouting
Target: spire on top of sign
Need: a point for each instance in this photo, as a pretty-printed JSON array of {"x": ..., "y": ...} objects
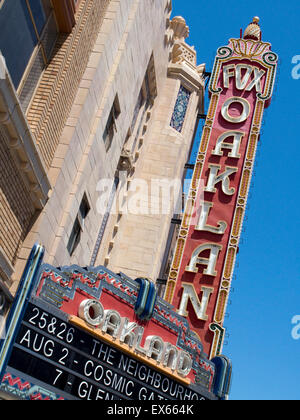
[{"x": 253, "y": 30}]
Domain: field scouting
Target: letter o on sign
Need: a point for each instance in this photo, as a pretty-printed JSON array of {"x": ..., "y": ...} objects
[
  {"x": 235, "y": 119},
  {"x": 91, "y": 311}
]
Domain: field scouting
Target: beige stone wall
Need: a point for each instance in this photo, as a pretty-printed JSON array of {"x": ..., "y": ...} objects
[
  {"x": 128, "y": 44},
  {"x": 117, "y": 64},
  {"x": 134, "y": 243},
  {"x": 139, "y": 245}
]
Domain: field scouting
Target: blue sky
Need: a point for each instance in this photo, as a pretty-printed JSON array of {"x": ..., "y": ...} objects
[{"x": 265, "y": 357}]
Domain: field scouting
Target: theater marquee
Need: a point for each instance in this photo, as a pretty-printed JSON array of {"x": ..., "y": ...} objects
[
  {"x": 88, "y": 334},
  {"x": 200, "y": 276}
]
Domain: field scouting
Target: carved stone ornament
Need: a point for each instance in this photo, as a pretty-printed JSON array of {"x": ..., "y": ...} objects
[
  {"x": 126, "y": 161},
  {"x": 180, "y": 28}
]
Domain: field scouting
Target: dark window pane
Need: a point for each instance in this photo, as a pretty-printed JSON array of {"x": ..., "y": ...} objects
[
  {"x": 78, "y": 226},
  {"x": 110, "y": 127},
  {"x": 84, "y": 207},
  {"x": 49, "y": 36},
  {"x": 47, "y": 6},
  {"x": 38, "y": 13},
  {"x": 74, "y": 237},
  {"x": 18, "y": 39},
  {"x": 37, "y": 63}
]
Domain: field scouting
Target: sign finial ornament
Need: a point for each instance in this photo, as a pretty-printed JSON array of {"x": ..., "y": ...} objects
[{"x": 253, "y": 30}]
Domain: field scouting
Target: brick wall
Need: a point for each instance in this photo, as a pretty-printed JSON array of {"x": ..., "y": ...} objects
[
  {"x": 58, "y": 86},
  {"x": 16, "y": 209}
]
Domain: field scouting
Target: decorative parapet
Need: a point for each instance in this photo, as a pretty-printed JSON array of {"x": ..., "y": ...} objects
[
  {"x": 183, "y": 57},
  {"x": 180, "y": 29},
  {"x": 182, "y": 52}
]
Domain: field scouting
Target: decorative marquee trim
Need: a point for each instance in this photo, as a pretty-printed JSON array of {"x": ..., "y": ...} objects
[
  {"x": 255, "y": 51},
  {"x": 59, "y": 284}
]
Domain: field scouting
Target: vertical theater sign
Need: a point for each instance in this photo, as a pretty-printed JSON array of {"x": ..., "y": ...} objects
[
  {"x": 87, "y": 333},
  {"x": 200, "y": 277}
]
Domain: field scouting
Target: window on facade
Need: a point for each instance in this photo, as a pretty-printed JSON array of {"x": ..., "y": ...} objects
[
  {"x": 39, "y": 11},
  {"x": 111, "y": 126},
  {"x": 180, "y": 109},
  {"x": 139, "y": 103},
  {"x": 105, "y": 220},
  {"x": 142, "y": 105},
  {"x": 28, "y": 35},
  {"x": 78, "y": 226}
]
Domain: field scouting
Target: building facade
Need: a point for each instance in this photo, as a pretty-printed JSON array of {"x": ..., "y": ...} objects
[
  {"x": 98, "y": 113},
  {"x": 92, "y": 110},
  {"x": 100, "y": 103}
]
